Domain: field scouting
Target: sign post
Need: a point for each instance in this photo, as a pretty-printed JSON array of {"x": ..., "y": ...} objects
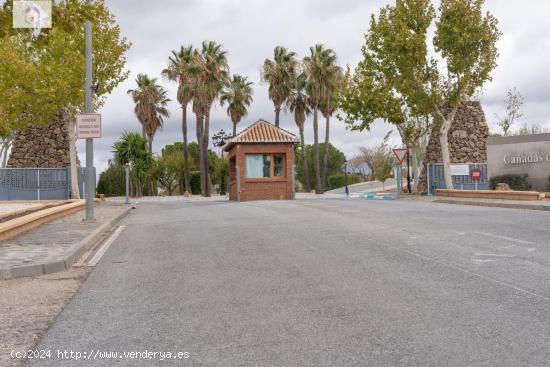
[
  {"x": 476, "y": 174},
  {"x": 89, "y": 93},
  {"x": 400, "y": 154},
  {"x": 88, "y": 126}
]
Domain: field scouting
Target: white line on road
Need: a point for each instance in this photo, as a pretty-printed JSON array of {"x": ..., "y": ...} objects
[
  {"x": 467, "y": 271},
  {"x": 483, "y": 261},
  {"x": 99, "y": 254},
  {"x": 494, "y": 255},
  {"x": 507, "y": 238}
]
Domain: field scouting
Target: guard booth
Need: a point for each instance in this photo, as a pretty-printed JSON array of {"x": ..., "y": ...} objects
[{"x": 261, "y": 163}]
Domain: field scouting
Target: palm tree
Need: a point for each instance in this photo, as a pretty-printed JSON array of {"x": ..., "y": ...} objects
[
  {"x": 150, "y": 109},
  {"x": 130, "y": 149},
  {"x": 210, "y": 73},
  {"x": 279, "y": 73},
  {"x": 319, "y": 68},
  {"x": 328, "y": 107},
  {"x": 238, "y": 95},
  {"x": 298, "y": 104},
  {"x": 179, "y": 70}
]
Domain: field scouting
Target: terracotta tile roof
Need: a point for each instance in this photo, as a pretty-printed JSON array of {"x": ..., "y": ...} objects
[{"x": 262, "y": 132}]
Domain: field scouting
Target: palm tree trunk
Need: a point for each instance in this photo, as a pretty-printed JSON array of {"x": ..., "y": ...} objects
[
  {"x": 325, "y": 153},
  {"x": 307, "y": 185},
  {"x": 318, "y": 189},
  {"x": 234, "y": 129},
  {"x": 199, "y": 143},
  {"x": 205, "y": 140},
  {"x": 277, "y": 114},
  {"x": 186, "y": 176}
]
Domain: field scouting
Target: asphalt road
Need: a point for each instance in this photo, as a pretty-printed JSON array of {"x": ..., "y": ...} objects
[{"x": 339, "y": 282}]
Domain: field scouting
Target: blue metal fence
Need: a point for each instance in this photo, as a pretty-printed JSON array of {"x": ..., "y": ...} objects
[
  {"x": 38, "y": 183},
  {"x": 436, "y": 178}
]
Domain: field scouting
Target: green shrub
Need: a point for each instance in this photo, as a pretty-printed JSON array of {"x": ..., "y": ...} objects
[
  {"x": 195, "y": 182},
  {"x": 112, "y": 181},
  {"x": 336, "y": 181},
  {"x": 516, "y": 181}
]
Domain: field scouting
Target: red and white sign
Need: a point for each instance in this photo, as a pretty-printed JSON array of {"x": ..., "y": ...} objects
[
  {"x": 88, "y": 126},
  {"x": 400, "y": 154},
  {"x": 476, "y": 174}
]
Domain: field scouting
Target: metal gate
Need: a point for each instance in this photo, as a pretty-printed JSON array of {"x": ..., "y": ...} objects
[
  {"x": 436, "y": 178},
  {"x": 38, "y": 183}
]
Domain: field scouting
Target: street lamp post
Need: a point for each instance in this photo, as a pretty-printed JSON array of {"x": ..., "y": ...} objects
[
  {"x": 409, "y": 171},
  {"x": 90, "y": 187},
  {"x": 127, "y": 171},
  {"x": 346, "y": 176}
]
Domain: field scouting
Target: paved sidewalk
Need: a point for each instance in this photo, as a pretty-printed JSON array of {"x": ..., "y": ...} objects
[
  {"x": 495, "y": 203},
  {"x": 51, "y": 243}
]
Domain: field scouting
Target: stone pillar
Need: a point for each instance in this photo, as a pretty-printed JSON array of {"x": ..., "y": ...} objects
[
  {"x": 467, "y": 140},
  {"x": 43, "y": 147}
]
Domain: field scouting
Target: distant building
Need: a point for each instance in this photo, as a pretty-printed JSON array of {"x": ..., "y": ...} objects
[{"x": 261, "y": 163}]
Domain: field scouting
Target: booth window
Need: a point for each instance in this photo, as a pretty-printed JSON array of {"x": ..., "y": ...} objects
[{"x": 264, "y": 165}]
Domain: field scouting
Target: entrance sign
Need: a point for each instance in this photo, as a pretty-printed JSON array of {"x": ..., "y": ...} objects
[
  {"x": 88, "y": 126},
  {"x": 460, "y": 169},
  {"x": 476, "y": 174},
  {"x": 400, "y": 154}
]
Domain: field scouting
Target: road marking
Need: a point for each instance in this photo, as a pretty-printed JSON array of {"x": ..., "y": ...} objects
[
  {"x": 489, "y": 255},
  {"x": 466, "y": 271},
  {"x": 483, "y": 261},
  {"x": 507, "y": 238},
  {"x": 494, "y": 255},
  {"x": 99, "y": 254}
]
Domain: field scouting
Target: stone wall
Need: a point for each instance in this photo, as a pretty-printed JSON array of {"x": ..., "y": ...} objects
[
  {"x": 43, "y": 147},
  {"x": 467, "y": 140}
]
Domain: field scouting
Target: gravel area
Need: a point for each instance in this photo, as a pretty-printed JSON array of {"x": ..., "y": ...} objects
[{"x": 28, "y": 306}]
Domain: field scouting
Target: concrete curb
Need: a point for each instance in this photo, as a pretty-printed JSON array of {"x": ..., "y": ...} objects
[
  {"x": 71, "y": 255},
  {"x": 495, "y": 205}
]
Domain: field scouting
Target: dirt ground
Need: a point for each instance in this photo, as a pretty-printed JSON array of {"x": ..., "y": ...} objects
[{"x": 28, "y": 306}]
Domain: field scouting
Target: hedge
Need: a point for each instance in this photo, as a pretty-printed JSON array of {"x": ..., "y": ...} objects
[
  {"x": 336, "y": 181},
  {"x": 517, "y": 182}
]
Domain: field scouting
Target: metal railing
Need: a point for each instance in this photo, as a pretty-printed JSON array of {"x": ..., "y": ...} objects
[
  {"x": 38, "y": 183},
  {"x": 436, "y": 178}
]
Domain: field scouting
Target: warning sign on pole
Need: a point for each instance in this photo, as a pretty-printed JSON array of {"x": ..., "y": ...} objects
[
  {"x": 400, "y": 154},
  {"x": 88, "y": 126}
]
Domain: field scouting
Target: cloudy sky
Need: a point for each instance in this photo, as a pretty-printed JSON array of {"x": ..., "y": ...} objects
[{"x": 249, "y": 30}]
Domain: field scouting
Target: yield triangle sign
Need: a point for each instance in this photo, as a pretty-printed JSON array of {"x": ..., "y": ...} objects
[{"x": 400, "y": 154}]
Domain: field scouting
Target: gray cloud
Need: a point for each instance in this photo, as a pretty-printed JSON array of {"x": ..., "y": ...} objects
[{"x": 249, "y": 29}]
